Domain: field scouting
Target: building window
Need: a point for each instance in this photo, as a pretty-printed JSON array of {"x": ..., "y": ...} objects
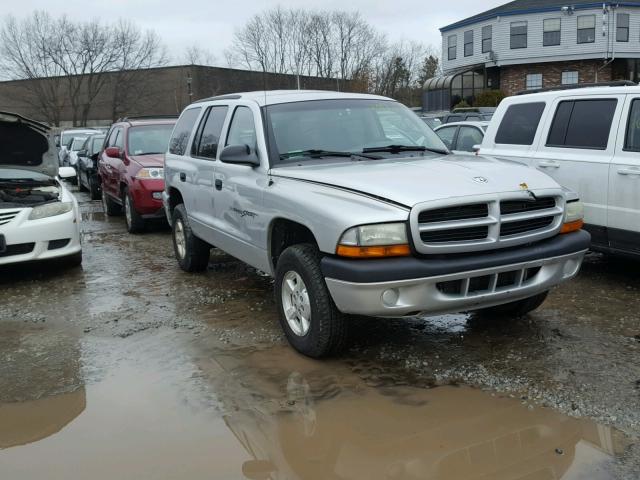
[
  {"x": 569, "y": 78},
  {"x": 518, "y": 35},
  {"x": 586, "y": 28},
  {"x": 453, "y": 47},
  {"x": 487, "y": 32},
  {"x": 551, "y": 32},
  {"x": 622, "y": 27},
  {"x": 468, "y": 43},
  {"x": 534, "y": 81}
]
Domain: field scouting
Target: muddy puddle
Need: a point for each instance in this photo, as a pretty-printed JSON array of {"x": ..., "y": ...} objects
[{"x": 168, "y": 406}]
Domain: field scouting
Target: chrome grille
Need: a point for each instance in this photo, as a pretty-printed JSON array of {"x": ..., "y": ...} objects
[
  {"x": 7, "y": 215},
  {"x": 485, "y": 222}
]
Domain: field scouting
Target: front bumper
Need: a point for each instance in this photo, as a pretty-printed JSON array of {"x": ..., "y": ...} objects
[
  {"x": 142, "y": 191},
  {"x": 43, "y": 239},
  {"x": 408, "y": 286}
]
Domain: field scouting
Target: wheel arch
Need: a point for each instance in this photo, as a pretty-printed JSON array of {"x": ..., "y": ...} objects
[{"x": 283, "y": 233}]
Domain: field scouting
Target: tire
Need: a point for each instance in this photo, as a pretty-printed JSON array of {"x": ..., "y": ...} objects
[
  {"x": 516, "y": 309},
  {"x": 325, "y": 331},
  {"x": 110, "y": 207},
  {"x": 74, "y": 180},
  {"x": 191, "y": 252},
  {"x": 81, "y": 187},
  {"x": 134, "y": 221},
  {"x": 94, "y": 188}
]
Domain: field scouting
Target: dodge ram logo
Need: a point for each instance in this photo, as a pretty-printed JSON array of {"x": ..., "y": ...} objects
[{"x": 480, "y": 179}]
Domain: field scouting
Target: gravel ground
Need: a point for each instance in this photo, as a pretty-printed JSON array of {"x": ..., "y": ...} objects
[{"x": 59, "y": 330}]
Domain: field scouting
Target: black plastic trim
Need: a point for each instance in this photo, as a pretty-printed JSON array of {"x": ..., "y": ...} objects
[{"x": 405, "y": 268}]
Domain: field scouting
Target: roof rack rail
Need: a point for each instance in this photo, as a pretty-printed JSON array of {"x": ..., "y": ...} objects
[
  {"x": 616, "y": 83},
  {"x": 145, "y": 117},
  {"x": 232, "y": 96}
]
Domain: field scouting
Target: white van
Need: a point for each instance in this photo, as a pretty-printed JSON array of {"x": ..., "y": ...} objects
[{"x": 588, "y": 139}]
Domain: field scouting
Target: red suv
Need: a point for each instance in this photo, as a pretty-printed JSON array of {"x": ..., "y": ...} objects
[{"x": 131, "y": 170}]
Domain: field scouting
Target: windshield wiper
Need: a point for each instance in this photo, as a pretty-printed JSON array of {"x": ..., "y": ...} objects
[
  {"x": 318, "y": 153},
  {"x": 404, "y": 148}
]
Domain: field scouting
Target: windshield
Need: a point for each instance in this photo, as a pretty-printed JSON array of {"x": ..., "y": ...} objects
[
  {"x": 149, "y": 139},
  {"x": 77, "y": 144},
  {"x": 96, "y": 144},
  {"x": 349, "y": 125}
]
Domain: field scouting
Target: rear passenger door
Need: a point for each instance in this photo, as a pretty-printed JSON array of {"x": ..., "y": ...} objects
[
  {"x": 624, "y": 181},
  {"x": 204, "y": 152},
  {"x": 577, "y": 147}
]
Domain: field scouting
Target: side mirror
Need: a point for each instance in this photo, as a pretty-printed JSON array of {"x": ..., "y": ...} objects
[
  {"x": 112, "y": 152},
  {"x": 66, "y": 172},
  {"x": 476, "y": 149},
  {"x": 57, "y": 140},
  {"x": 239, "y": 154}
]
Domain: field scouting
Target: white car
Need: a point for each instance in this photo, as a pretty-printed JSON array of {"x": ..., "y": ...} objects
[
  {"x": 462, "y": 137},
  {"x": 587, "y": 139},
  {"x": 39, "y": 216}
]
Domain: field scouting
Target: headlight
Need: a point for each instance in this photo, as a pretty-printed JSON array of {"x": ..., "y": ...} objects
[
  {"x": 374, "y": 241},
  {"x": 155, "y": 173},
  {"x": 50, "y": 210},
  {"x": 573, "y": 217}
]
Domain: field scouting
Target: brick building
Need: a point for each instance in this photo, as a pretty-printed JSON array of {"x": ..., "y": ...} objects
[
  {"x": 532, "y": 44},
  {"x": 155, "y": 91}
]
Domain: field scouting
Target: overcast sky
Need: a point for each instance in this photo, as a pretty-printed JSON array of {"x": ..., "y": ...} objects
[{"x": 210, "y": 24}]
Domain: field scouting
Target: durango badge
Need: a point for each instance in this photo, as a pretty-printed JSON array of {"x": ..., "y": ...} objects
[{"x": 480, "y": 179}]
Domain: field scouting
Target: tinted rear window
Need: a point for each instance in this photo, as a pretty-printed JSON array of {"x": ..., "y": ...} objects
[
  {"x": 520, "y": 123},
  {"x": 632, "y": 141},
  {"x": 182, "y": 132},
  {"x": 582, "y": 124}
]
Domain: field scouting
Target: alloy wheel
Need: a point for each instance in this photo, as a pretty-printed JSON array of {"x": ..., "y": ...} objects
[
  {"x": 296, "y": 304},
  {"x": 180, "y": 239}
]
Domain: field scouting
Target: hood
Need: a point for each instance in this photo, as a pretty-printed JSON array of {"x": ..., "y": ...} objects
[
  {"x": 26, "y": 145},
  {"x": 150, "y": 161},
  {"x": 413, "y": 180}
]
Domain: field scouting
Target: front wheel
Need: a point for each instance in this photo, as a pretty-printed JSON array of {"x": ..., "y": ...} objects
[
  {"x": 311, "y": 321},
  {"x": 94, "y": 188},
  {"x": 135, "y": 222},
  {"x": 191, "y": 252},
  {"x": 515, "y": 309}
]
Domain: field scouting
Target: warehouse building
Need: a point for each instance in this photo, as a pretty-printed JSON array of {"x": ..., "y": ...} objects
[{"x": 155, "y": 91}]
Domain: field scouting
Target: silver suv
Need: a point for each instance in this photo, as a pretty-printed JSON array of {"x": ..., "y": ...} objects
[{"x": 355, "y": 206}]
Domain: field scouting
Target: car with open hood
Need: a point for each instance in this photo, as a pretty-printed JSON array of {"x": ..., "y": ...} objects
[
  {"x": 356, "y": 206},
  {"x": 39, "y": 216}
]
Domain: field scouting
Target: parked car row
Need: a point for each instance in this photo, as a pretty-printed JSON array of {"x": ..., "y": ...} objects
[{"x": 353, "y": 204}]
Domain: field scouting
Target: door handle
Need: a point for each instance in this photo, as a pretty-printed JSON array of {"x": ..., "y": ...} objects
[
  {"x": 183, "y": 177},
  {"x": 548, "y": 164},
  {"x": 629, "y": 171},
  {"x": 218, "y": 184}
]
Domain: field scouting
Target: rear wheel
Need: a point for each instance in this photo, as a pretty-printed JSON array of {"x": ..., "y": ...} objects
[
  {"x": 191, "y": 252},
  {"x": 94, "y": 188},
  {"x": 135, "y": 222},
  {"x": 81, "y": 187},
  {"x": 516, "y": 309},
  {"x": 311, "y": 322},
  {"x": 110, "y": 207}
]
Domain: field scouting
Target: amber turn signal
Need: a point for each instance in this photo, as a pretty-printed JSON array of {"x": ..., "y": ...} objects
[
  {"x": 373, "y": 252},
  {"x": 572, "y": 226}
]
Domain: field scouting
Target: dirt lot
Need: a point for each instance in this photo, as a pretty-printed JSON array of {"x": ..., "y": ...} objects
[{"x": 129, "y": 368}]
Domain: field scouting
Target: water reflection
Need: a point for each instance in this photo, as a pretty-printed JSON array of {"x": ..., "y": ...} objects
[{"x": 403, "y": 433}]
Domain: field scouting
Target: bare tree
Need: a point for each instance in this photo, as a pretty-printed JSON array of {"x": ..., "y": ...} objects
[
  {"x": 23, "y": 46},
  {"x": 195, "y": 55},
  {"x": 68, "y": 62}
]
